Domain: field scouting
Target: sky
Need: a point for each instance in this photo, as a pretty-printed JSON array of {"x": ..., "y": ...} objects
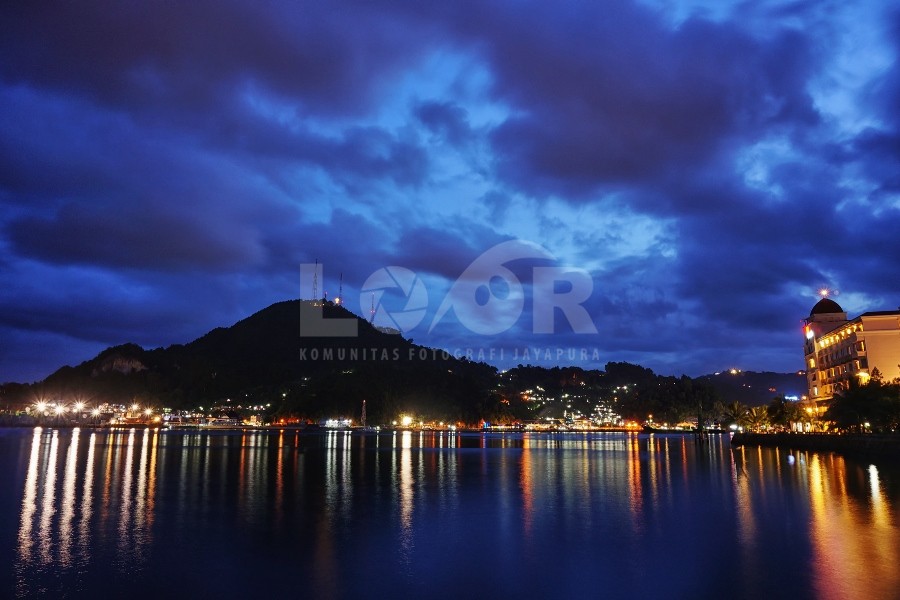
[{"x": 686, "y": 174}]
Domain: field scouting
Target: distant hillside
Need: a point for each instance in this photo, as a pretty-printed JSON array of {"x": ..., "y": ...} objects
[
  {"x": 753, "y": 389},
  {"x": 264, "y": 360}
]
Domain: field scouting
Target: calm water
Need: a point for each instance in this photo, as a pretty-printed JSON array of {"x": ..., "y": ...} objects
[{"x": 143, "y": 513}]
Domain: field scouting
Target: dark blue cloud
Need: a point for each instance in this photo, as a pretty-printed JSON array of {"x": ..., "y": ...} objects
[
  {"x": 165, "y": 169},
  {"x": 621, "y": 97},
  {"x": 445, "y": 119},
  {"x": 176, "y": 58}
]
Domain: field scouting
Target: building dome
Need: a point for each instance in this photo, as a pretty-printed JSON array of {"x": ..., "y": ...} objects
[{"x": 826, "y": 306}]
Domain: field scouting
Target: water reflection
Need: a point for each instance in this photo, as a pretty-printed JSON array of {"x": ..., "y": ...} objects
[
  {"x": 56, "y": 526},
  {"x": 845, "y": 564},
  {"x": 86, "y": 506},
  {"x": 407, "y": 513},
  {"x": 68, "y": 503},
  {"x": 29, "y": 502},
  {"x": 48, "y": 508},
  {"x": 853, "y": 531},
  {"x": 406, "y": 495}
]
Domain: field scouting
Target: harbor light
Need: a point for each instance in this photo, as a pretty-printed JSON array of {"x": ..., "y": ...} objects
[{"x": 405, "y": 420}]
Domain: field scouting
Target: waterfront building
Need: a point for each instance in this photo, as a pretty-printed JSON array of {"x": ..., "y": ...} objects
[{"x": 838, "y": 349}]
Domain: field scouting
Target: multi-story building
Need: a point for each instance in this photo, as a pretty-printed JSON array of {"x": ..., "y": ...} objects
[{"x": 838, "y": 349}]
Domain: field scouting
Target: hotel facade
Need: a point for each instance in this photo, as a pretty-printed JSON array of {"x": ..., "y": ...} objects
[{"x": 838, "y": 349}]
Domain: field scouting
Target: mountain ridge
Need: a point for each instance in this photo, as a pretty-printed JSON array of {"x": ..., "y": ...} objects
[{"x": 263, "y": 359}]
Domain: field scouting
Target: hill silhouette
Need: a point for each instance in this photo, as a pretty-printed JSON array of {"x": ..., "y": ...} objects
[
  {"x": 264, "y": 360},
  {"x": 756, "y": 388}
]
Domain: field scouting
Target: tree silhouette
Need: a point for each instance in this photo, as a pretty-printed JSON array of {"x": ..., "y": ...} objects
[
  {"x": 757, "y": 418},
  {"x": 783, "y": 412},
  {"x": 875, "y": 402},
  {"x": 733, "y": 413}
]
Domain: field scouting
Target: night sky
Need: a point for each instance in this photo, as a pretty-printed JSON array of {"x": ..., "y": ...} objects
[{"x": 167, "y": 167}]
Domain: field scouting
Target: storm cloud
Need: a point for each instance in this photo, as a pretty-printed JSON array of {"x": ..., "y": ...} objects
[{"x": 167, "y": 168}]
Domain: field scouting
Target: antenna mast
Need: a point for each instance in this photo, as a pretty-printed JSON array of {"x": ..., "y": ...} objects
[
  {"x": 315, "y": 297},
  {"x": 340, "y": 296}
]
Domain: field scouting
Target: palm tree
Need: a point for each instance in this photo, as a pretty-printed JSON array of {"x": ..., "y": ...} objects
[
  {"x": 733, "y": 413},
  {"x": 783, "y": 412},
  {"x": 794, "y": 414},
  {"x": 757, "y": 418}
]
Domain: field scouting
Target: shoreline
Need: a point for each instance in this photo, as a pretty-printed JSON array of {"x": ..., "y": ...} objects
[{"x": 312, "y": 429}]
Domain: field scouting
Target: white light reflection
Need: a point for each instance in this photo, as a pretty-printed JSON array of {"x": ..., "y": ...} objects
[
  {"x": 325, "y": 558},
  {"x": 330, "y": 470},
  {"x": 346, "y": 483},
  {"x": 29, "y": 502},
  {"x": 125, "y": 542},
  {"x": 447, "y": 469},
  {"x": 68, "y": 502},
  {"x": 139, "y": 526},
  {"x": 87, "y": 494},
  {"x": 48, "y": 509},
  {"x": 406, "y": 494}
]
